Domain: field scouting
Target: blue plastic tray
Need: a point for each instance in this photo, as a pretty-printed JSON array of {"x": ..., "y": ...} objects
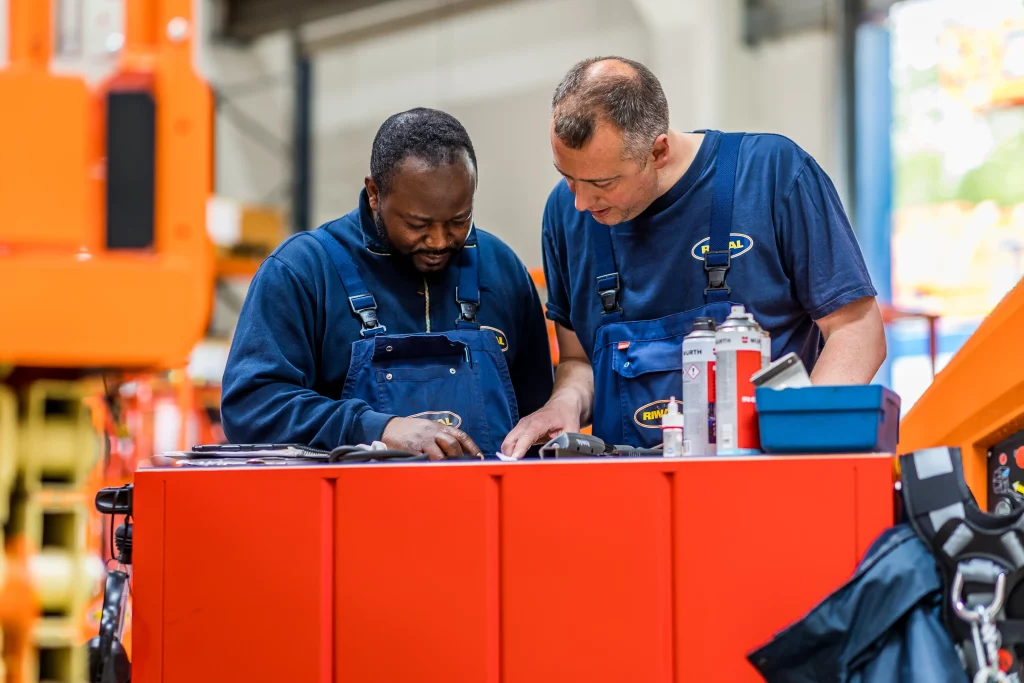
[{"x": 848, "y": 419}]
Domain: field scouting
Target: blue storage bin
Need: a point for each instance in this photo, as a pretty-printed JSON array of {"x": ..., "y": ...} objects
[{"x": 847, "y": 419}]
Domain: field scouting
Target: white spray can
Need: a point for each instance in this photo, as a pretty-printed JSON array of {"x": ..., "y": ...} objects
[{"x": 699, "y": 389}]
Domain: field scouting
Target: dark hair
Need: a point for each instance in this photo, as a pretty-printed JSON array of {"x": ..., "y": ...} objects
[
  {"x": 428, "y": 134},
  {"x": 633, "y": 102}
]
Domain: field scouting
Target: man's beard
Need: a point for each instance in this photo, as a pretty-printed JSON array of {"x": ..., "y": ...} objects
[{"x": 382, "y": 234}]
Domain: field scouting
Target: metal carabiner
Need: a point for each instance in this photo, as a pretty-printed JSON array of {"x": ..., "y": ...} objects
[
  {"x": 984, "y": 632},
  {"x": 998, "y": 595}
]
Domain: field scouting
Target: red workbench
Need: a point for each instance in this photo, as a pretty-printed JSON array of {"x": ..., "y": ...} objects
[{"x": 611, "y": 570}]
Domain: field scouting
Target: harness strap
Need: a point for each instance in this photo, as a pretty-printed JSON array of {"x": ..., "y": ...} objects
[
  {"x": 467, "y": 292},
  {"x": 973, "y": 549},
  {"x": 934, "y": 489},
  {"x": 360, "y": 300}
]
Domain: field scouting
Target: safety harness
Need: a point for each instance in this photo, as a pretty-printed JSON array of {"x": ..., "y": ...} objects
[{"x": 981, "y": 558}]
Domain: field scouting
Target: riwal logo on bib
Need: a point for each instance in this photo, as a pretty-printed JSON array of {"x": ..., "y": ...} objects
[
  {"x": 738, "y": 244},
  {"x": 499, "y": 336},
  {"x": 649, "y": 416},
  {"x": 445, "y": 417}
]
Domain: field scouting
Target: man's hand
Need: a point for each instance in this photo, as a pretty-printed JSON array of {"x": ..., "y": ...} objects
[
  {"x": 542, "y": 426},
  {"x": 570, "y": 403},
  {"x": 438, "y": 441}
]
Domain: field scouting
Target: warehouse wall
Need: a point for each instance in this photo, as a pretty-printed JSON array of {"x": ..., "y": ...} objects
[{"x": 495, "y": 69}]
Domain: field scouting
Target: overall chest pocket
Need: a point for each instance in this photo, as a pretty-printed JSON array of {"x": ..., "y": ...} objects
[
  {"x": 443, "y": 392},
  {"x": 649, "y": 374}
]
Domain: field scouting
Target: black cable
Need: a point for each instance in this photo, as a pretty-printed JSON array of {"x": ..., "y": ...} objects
[{"x": 356, "y": 454}]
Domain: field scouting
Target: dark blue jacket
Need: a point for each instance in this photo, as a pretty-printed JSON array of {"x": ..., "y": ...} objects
[
  {"x": 884, "y": 625},
  {"x": 291, "y": 350}
]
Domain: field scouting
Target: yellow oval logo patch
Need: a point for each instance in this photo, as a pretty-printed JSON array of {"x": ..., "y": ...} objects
[
  {"x": 445, "y": 417},
  {"x": 738, "y": 244},
  {"x": 649, "y": 416},
  {"x": 499, "y": 336}
]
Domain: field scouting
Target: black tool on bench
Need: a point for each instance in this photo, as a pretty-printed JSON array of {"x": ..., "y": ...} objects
[{"x": 573, "y": 445}]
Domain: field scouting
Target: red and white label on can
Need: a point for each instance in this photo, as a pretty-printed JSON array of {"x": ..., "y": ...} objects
[{"x": 738, "y": 356}]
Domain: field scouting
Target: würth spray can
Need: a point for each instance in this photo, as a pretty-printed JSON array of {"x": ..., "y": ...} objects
[
  {"x": 699, "y": 389},
  {"x": 737, "y": 357},
  {"x": 766, "y": 349}
]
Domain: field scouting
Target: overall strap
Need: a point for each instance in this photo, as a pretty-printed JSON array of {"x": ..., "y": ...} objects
[
  {"x": 608, "y": 276},
  {"x": 467, "y": 292},
  {"x": 718, "y": 257},
  {"x": 359, "y": 298}
]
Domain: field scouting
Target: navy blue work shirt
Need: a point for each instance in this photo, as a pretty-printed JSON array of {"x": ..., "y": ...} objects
[
  {"x": 794, "y": 255},
  {"x": 290, "y": 355}
]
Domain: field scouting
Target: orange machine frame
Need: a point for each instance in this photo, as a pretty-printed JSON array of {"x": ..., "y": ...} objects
[
  {"x": 978, "y": 399},
  {"x": 67, "y": 301}
]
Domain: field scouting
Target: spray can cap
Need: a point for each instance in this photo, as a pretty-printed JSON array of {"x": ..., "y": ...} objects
[
  {"x": 737, "y": 311},
  {"x": 707, "y": 324},
  {"x": 672, "y": 418}
]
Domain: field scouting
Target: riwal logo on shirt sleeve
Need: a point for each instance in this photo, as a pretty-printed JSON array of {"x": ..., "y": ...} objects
[{"x": 738, "y": 244}]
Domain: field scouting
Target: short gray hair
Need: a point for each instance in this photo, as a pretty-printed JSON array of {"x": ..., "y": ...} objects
[{"x": 632, "y": 102}]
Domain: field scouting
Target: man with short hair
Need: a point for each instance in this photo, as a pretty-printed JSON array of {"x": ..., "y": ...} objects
[
  {"x": 400, "y": 322},
  {"x": 651, "y": 228}
]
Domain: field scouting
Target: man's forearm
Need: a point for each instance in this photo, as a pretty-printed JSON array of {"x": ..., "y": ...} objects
[
  {"x": 852, "y": 355},
  {"x": 574, "y": 384}
]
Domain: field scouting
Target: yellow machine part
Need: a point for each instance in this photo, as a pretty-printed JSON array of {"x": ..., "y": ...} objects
[
  {"x": 8, "y": 447},
  {"x": 57, "y": 439},
  {"x": 65, "y": 579}
]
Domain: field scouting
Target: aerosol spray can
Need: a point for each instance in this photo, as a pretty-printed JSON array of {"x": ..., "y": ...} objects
[
  {"x": 737, "y": 357},
  {"x": 699, "y": 389},
  {"x": 672, "y": 431},
  {"x": 766, "y": 348}
]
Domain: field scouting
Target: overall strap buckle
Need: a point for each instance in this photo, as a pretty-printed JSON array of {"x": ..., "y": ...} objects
[
  {"x": 365, "y": 306},
  {"x": 467, "y": 309},
  {"x": 716, "y": 269},
  {"x": 608, "y": 290}
]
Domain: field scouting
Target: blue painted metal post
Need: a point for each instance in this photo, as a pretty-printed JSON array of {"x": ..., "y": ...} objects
[
  {"x": 301, "y": 127},
  {"x": 873, "y": 160}
]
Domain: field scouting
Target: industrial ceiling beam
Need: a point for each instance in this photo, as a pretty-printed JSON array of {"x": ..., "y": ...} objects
[
  {"x": 384, "y": 18},
  {"x": 249, "y": 19}
]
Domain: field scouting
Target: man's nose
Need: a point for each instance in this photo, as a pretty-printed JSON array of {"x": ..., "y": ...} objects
[
  {"x": 437, "y": 238},
  {"x": 584, "y": 198}
]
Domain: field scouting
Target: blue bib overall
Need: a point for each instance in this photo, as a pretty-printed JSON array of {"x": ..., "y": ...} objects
[
  {"x": 458, "y": 378},
  {"x": 638, "y": 364}
]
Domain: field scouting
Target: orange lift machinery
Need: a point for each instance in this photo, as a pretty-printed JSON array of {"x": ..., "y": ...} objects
[
  {"x": 104, "y": 257},
  {"x": 977, "y": 401},
  {"x": 105, "y": 262}
]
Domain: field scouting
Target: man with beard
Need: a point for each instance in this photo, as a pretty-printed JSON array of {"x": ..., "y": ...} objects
[{"x": 399, "y": 322}]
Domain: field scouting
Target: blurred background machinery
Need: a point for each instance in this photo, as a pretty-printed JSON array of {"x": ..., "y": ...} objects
[{"x": 107, "y": 273}]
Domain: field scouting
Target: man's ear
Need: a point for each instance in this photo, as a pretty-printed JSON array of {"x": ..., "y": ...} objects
[
  {"x": 660, "y": 151},
  {"x": 373, "y": 194}
]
